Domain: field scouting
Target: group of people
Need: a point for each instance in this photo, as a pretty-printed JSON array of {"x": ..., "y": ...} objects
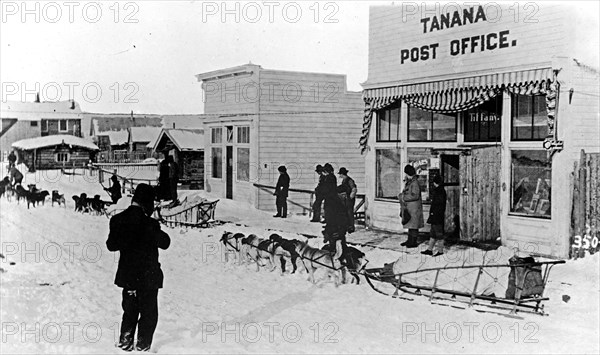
[
  {"x": 411, "y": 211},
  {"x": 168, "y": 178}
]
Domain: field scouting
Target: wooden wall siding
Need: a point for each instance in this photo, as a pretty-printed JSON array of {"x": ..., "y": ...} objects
[
  {"x": 327, "y": 131},
  {"x": 480, "y": 194},
  {"x": 452, "y": 207},
  {"x": 231, "y": 95},
  {"x": 45, "y": 158},
  {"x": 581, "y": 126},
  {"x": 20, "y": 130},
  {"x": 73, "y": 128},
  {"x": 538, "y": 38},
  {"x": 585, "y": 214}
]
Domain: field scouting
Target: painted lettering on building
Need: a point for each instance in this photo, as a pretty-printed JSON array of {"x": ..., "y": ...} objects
[{"x": 459, "y": 46}]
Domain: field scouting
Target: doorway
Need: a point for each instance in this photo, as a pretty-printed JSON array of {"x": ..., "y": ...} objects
[{"x": 229, "y": 172}]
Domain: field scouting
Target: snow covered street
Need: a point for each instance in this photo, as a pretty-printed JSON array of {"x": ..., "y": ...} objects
[{"x": 57, "y": 294}]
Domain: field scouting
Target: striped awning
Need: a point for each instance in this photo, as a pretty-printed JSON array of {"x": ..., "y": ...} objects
[{"x": 454, "y": 95}]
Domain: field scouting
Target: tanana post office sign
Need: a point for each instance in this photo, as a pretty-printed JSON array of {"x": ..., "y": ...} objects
[{"x": 412, "y": 41}]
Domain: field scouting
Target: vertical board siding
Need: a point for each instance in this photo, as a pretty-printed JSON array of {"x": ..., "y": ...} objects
[{"x": 585, "y": 216}]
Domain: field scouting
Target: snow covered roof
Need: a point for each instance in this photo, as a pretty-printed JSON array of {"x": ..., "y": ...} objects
[
  {"x": 53, "y": 140},
  {"x": 35, "y": 111},
  {"x": 116, "y": 137},
  {"x": 184, "y": 139},
  {"x": 144, "y": 134}
]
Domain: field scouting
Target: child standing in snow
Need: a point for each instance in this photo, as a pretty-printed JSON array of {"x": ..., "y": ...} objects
[{"x": 437, "y": 214}]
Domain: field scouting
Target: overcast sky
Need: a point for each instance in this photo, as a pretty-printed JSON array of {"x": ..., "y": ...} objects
[{"x": 149, "y": 51}]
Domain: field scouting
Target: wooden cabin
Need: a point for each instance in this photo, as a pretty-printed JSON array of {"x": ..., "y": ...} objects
[
  {"x": 501, "y": 109},
  {"x": 187, "y": 148},
  {"x": 55, "y": 152}
]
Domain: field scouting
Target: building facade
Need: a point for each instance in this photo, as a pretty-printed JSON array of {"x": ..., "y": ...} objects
[
  {"x": 499, "y": 105},
  {"x": 23, "y": 120},
  {"x": 257, "y": 119}
]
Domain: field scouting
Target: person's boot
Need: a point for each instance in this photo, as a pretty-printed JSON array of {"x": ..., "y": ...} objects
[{"x": 126, "y": 342}]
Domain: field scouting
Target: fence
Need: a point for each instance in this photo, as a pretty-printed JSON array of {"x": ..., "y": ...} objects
[
  {"x": 121, "y": 156},
  {"x": 585, "y": 214},
  {"x": 359, "y": 210},
  {"x": 129, "y": 175}
]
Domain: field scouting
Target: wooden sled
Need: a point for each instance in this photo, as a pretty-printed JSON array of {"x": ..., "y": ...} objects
[
  {"x": 199, "y": 214},
  {"x": 464, "y": 287}
]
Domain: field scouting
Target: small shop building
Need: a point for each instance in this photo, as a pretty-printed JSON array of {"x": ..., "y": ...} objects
[
  {"x": 257, "y": 119},
  {"x": 55, "y": 152},
  {"x": 500, "y": 108},
  {"x": 187, "y": 148}
]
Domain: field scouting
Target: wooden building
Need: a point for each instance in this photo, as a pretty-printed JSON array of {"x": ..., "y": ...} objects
[
  {"x": 187, "y": 148},
  {"x": 501, "y": 108},
  {"x": 55, "y": 152},
  {"x": 258, "y": 119},
  {"x": 22, "y": 120}
]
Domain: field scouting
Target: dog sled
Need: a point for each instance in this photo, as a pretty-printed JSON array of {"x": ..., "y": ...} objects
[
  {"x": 516, "y": 287},
  {"x": 195, "y": 213}
]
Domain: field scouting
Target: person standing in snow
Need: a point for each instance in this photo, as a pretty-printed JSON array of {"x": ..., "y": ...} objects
[
  {"x": 348, "y": 189},
  {"x": 12, "y": 159},
  {"x": 281, "y": 191},
  {"x": 437, "y": 215},
  {"x": 164, "y": 190},
  {"x": 15, "y": 176},
  {"x": 137, "y": 237},
  {"x": 316, "y": 207},
  {"x": 411, "y": 203},
  {"x": 336, "y": 222},
  {"x": 115, "y": 190},
  {"x": 173, "y": 178}
]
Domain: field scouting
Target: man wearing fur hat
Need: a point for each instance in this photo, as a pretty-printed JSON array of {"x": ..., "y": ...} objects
[{"x": 137, "y": 237}]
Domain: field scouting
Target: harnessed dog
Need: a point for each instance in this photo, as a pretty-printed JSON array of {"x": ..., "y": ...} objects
[
  {"x": 286, "y": 250},
  {"x": 232, "y": 245},
  {"x": 258, "y": 249},
  {"x": 352, "y": 259},
  {"x": 313, "y": 259}
]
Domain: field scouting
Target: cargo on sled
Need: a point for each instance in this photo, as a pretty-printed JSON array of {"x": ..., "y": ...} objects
[{"x": 516, "y": 287}]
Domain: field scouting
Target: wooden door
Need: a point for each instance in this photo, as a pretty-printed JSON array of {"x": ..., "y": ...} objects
[
  {"x": 229, "y": 173},
  {"x": 480, "y": 194}
]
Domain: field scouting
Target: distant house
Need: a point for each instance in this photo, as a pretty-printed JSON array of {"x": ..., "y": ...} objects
[
  {"x": 139, "y": 137},
  {"x": 187, "y": 148},
  {"x": 55, "y": 151},
  {"x": 22, "y": 120},
  {"x": 257, "y": 119}
]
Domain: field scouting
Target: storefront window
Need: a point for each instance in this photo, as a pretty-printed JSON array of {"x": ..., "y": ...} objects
[
  {"x": 217, "y": 162},
  {"x": 429, "y": 126},
  {"x": 388, "y": 124},
  {"x": 450, "y": 170},
  {"x": 482, "y": 123},
  {"x": 531, "y": 183},
  {"x": 389, "y": 173},
  {"x": 529, "y": 117},
  {"x": 243, "y": 164},
  {"x": 420, "y": 159}
]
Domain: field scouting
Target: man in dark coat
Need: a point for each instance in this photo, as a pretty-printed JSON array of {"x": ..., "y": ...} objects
[
  {"x": 115, "y": 190},
  {"x": 437, "y": 214},
  {"x": 12, "y": 159},
  {"x": 137, "y": 237},
  {"x": 318, "y": 196},
  {"x": 281, "y": 191},
  {"x": 336, "y": 224},
  {"x": 164, "y": 190},
  {"x": 348, "y": 189},
  {"x": 173, "y": 178},
  {"x": 15, "y": 176}
]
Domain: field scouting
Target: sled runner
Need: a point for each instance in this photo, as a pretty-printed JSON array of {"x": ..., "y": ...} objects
[
  {"x": 196, "y": 214},
  {"x": 514, "y": 287}
]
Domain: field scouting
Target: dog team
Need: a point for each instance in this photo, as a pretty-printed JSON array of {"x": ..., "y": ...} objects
[{"x": 278, "y": 250}]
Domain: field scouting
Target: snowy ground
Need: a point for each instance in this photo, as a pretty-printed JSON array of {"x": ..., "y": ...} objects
[{"x": 57, "y": 295}]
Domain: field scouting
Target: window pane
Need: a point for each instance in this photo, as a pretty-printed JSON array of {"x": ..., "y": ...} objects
[
  {"x": 521, "y": 117},
  {"x": 395, "y": 124},
  {"x": 243, "y": 134},
  {"x": 419, "y": 124},
  {"x": 531, "y": 183},
  {"x": 419, "y": 158},
  {"x": 62, "y": 125},
  {"x": 444, "y": 127},
  {"x": 450, "y": 164},
  {"x": 217, "y": 162},
  {"x": 540, "y": 117},
  {"x": 383, "y": 118},
  {"x": 389, "y": 173},
  {"x": 216, "y": 135},
  {"x": 243, "y": 164},
  {"x": 482, "y": 123}
]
